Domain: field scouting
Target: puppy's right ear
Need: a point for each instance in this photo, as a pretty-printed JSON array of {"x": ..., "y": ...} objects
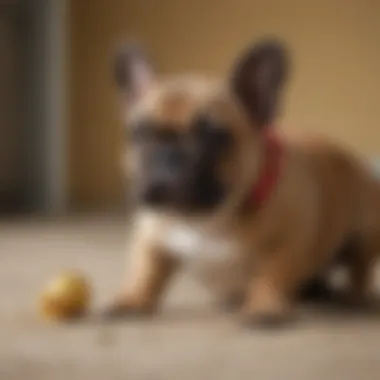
[
  {"x": 258, "y": 78},
  {"x": 133, "y": 71}
]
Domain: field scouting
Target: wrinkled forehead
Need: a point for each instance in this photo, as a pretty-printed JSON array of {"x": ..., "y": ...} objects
[{"x": 175, "y": 101}]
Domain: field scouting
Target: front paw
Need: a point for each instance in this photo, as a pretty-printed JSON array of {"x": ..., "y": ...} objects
[
  {"x": 232, "y": 302},
  {"x": 273, "y": 313},
  {"x": 266, "y": 320},
  {"x": 126, "y": 308}
]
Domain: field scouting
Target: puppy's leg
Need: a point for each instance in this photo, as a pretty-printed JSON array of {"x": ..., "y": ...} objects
[
  {"x": 365, "y": 252},
  {"x": 272, "y": 293},
  {"x": 231, "y": 302},
  {"x": 151, "y": 270}
]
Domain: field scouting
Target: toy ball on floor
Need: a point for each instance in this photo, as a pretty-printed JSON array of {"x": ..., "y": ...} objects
[{"x": 67, "y": 297}]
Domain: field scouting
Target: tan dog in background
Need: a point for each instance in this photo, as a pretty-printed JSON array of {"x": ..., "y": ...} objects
[{"x": 254, "y": 217}]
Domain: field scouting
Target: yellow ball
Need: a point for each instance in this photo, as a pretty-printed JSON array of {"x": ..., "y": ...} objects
[{"x": 66, "y": 297}]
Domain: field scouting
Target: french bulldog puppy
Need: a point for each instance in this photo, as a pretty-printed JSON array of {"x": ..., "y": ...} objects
[{"x": 253, "y": 214}]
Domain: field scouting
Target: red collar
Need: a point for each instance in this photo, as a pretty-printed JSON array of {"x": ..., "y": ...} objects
[{"x": 270, "y": 170}]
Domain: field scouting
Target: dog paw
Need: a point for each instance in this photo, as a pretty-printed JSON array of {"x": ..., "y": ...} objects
[
  {"x": 231, "y": 303},
  {"x": 267, "y": 312},
  {"x": 125, "y": 310},
  {"x": 266, "y": 320}
]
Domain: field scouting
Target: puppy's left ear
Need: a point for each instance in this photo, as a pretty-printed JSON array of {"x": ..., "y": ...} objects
[
  {"x": 257, "y": 80},
  {"x": 133, "y": 71}
]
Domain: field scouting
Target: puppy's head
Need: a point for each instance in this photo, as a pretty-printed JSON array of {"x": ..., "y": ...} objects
[{"x": 196, "y": 143}]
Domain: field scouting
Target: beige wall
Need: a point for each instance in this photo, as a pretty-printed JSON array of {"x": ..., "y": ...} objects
[{"x": 335, "y": 87}]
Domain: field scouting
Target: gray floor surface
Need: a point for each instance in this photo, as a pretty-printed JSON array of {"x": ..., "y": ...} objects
[{"x": 188, "y": 340}]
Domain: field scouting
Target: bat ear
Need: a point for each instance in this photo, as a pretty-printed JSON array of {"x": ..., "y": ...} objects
[
  {"x": 133, "y": 71},
  {"x": 258, "y": 77}
]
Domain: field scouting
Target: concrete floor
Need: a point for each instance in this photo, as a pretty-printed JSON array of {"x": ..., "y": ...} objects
[{"x": 188, "y": 340}]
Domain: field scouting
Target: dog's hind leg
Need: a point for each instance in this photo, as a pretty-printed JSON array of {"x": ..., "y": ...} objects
[
  {"x": 361, "y": 272},
  {"x": 364, "y": 253}
]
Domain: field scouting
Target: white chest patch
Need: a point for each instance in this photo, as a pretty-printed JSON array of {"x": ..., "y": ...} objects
[
  {"x": 193, "y": 242},
  {"x": 212, "y": 255}
]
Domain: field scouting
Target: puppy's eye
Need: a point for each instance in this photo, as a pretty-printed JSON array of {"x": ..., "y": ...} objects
[{"x": 212, "y": 132}]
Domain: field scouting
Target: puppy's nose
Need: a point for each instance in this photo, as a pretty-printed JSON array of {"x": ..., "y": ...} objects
[{"x": 156, "y": 193}]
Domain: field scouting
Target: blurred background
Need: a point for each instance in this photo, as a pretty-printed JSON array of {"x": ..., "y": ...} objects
[{"x": 60, "y": 132}]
